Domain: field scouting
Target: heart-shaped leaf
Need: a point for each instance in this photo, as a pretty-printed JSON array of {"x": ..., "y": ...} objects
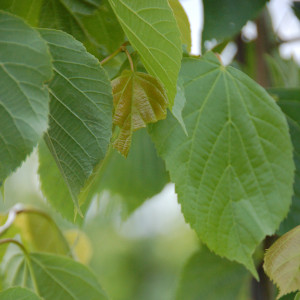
[
  {"x": 139, "y": 99},
  {"x": 234, "y": 171},
  {"x": 282, "y": 262}
]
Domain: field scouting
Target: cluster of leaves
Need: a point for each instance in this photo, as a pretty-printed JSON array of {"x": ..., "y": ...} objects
[{"x": 230, "y": 149}]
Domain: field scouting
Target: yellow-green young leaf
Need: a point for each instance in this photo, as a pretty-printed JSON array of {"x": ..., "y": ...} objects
[
  {"x": 209, "y": 277},
  {"x": 18, "y": 293},
  {"x": 80, "y": 245},
  {"x": 182, "y": 22},
  {"x": 80, "y": 118},
  {"x": 139, "y": 99},
  {"x": 152, "y": 30},
  {"x": 282, "y": 262},
  {"x": 40, "y": 233},
  {"x": 234, "y": 171},
  {"x": 297, "y": 297},
  {"x": 25, "y": 65}
]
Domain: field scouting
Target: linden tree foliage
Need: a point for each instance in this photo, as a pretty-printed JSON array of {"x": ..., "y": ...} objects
[{"x": 108, "y": 97}]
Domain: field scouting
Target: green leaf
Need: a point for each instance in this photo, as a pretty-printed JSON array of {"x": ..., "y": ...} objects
[
  {"x": 207, "y": 276},
  {"x": 53, "y": 277},
  {"x": 18, "y": 293},
  {"x": 297, "y": 296},
  {"x": 282, "y": 262},
  {"x": 225, "y": 18},
  {"x": 179, "y": 103},
  {"x": 80, "y": 111},
  {"x": 93, "y": 23},
  {"x": 40, "y": 233},
  {"x": 234, "y": 171},
  {"x": 25, "y": 66},
  {"x": 138, "y": 177},
  {"x": 152, "y": 30},
  {"x": 29, "y": 10},
  {"x": 289, "y": 101},
  {"x": 50, "y": 176},
  {"x": 283, "y": 73},
  {"x": 139, "y": 99},
  {"x": 182, "y": 22}
]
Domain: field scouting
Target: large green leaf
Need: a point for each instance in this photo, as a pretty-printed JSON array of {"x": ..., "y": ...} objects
[
  {"x": 289, "y": 101},
  {"x": 207, "y": 276},
  {"x": 18, "y": 293},
  {"x": 297, "y": 297},
  {"x": 80, "y": 111},
  {"x": 27, "y": 9},
  {"x": 282, "y": 262},
  {"x": 91, "y": 22},
  {"x": 136, "y": 178},
  {"x": 225, "y": 18},
  {"x": 139, "y": 99},
  {"x": 234, "y": 171},
  {"x": 152, "y": 30},
  {"x": 25, "y": 65},
  {"x": 53, "y": 277}
]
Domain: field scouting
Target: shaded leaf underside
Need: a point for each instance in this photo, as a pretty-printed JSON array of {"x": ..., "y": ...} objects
[{"x": 80, "y": 111}]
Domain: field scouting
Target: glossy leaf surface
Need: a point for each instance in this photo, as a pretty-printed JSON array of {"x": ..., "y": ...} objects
[
  {"x": 234, "y": 171},
  {"x": 25, "y": 65},
  {"x": 152, "y": 30},
  {"x": 139, "y": 99}
]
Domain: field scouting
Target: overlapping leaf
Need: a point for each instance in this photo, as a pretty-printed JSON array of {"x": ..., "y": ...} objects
[
  {"x": 53, "y": 277},
  {"x": 225, "y": 18},
  {"x": 282, "y": 262},
  {"x": 91, "y": 22},
  {"x": 152, "y": 30},
  {"x": 80, "y": 116},
  {"x": 234, "y": 171},
  {"x": 207, "y": 276},
  {"x": 136, "y": 178},
  {"x": 25, "y": 65},
  {"x": 18, "y": 293},
  {"x": 40, "y": 233},
  {"x": 289, "y": 101},
  {"x": 27, "y": 9},
  {"x": 139, "y": 99},
  {"x": 182, "y": 22}
]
